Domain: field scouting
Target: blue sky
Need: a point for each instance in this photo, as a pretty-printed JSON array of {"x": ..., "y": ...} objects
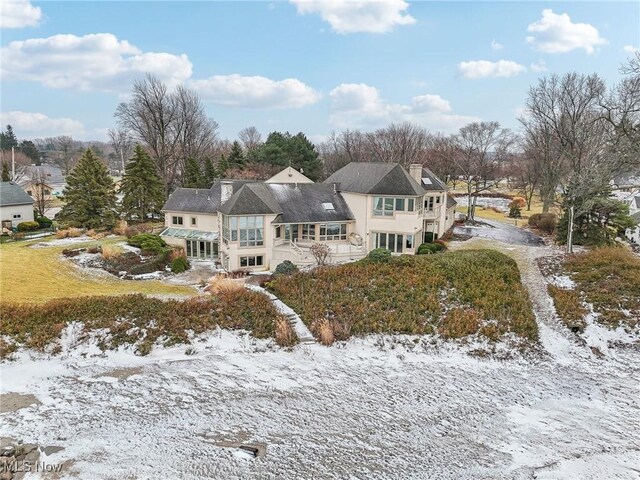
[{"x": 301, "y": 65}]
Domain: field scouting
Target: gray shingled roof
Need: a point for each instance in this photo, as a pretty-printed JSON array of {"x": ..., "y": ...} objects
[
  {"x": 52, "y": 173},
  {"x": 12, "y": 194},
  {"x": 451, "y": 202},
  {"x": 375, "y": 178},
  {"x": 636, "y": 217},
  {"x": 251, "y": 199},
  {"x": 430, "y": 181},
  {"x": 303, "y": 203},
  {"x": 199, "y": 200}
]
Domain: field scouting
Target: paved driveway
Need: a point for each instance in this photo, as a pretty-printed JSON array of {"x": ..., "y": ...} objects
[{"x": 499, "y": 231}]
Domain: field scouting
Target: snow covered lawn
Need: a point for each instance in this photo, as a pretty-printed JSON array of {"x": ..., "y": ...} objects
[{"x": 373, "y": 408}]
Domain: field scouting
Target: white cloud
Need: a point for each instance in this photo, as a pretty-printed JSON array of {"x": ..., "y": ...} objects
[
  {"x": 485, "y": 68},
  {"x": 352, "y": 16},
  {"x": 555, "y": 33},
  {"x": 630, "y": 49},
  {"x": 539, "y": 66},
  {"x": 92, "y": 62},
  {"x": 19, "y": 14},
  {"x": 357, "y": 105},
  {"x": 496, "y": 46},
  {"x": 255, "y": 91},
  {"x": 33, "y": 125}
]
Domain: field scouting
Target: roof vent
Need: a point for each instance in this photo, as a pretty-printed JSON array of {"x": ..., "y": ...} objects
[{"x": 328, "y": 206}]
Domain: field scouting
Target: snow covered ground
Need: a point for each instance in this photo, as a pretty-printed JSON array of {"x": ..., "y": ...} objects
[{"x": 379, "y": 407}]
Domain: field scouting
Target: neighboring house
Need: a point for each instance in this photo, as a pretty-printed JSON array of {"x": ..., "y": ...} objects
[
  {"x": 258, "y": 225},
  {"x": 16, "y": 206},
  {"x": 45, "y": 176},
  {"x": 633, "y": 234}
]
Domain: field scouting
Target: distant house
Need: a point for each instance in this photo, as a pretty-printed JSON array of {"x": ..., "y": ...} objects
[
  {"x": 47, "y": 177},
  {"x": 16, "y": 205},
  {"x": 257, "y": 225},
  {"x": 633, "y": 234}
]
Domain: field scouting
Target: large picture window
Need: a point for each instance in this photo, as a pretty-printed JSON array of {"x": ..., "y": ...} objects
[
  {"x": 249, "y": 230},
  {"x": 387, "y": 206},
  {"x": 308, "y": 231},
  {"x": 252, "y": 261},
  {"x": 396, "y": 242},
  {"x": 333, "y": 231}
]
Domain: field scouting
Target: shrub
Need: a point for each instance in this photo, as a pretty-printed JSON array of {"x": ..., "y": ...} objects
[
  {"x": 285, "y": 335},
  {"x": 515, "y": 210},
  {"x": 74, "y": 232},
  {"x": 428, "y": 237},
  {"x": 429, "y": 248},
  {"x": 120, "y": 227},
  {"x": 414, "y": 295},
  {"x": 320, "y": 252},
  {"x": 568, "y": 307},
  {"x": 545, "y": 222},
  {"x": 62, "y": 234},
  {"x": 111, "y": 252},
  {"x": 44, "y": 222},
  {"x": 149, "y": 243},
  {"x": 28, "y": 226},
  {"x": 180, "y": 264},
  {"x": 286, "y": 268},
  {"x": 220, "y": 284},
  {"x": 138, "y": 320},
  {"x": 379, "y": 255}
]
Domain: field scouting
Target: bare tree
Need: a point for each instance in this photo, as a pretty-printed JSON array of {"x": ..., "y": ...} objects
[
  {"x": 320, "y": 252},
  {"x": 484, "y": 147},
  {"x": 196, "y": 134},
  {"x": 40, "y": 191},
  {"x": 122, "y": 143},
  {"x": 64, "y": 145},
  {"x": 250, "y": 138},
  {"x": 403, "y": 143},
  {"x": 524, "y": 174},
  {"x": 151, "y": 117},
  {"x": 444, "y": 158},
  {"x": 21, "y": 167}
]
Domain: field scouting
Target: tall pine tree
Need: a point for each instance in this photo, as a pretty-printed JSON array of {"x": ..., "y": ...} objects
[
  {"x": 6, "y": 175},
  {"x": 90, "y": 196},
  {"x": 8, "y": 138},
  {"x": 192, "y": 176},
  {"x": 209, "y": 172},
  {"x": 223, "y": 166},
  {"x": 236, "y": 156},
  {"x": 142, "y": 188},
  {"x": 283, "y": 149}
]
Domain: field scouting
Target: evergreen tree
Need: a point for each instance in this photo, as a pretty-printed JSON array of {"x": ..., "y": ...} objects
[
  {"x": 90, "y": 195},
  {"x": 192, "y": 176},
  {"x": 8, "y": 138},
  {"x": 209, "y": 172},
  {"x": 142, "y": 188},
  {"x": 236, "y": 156},
  {"x": 223, "y": 166},
  {"x": 282, "y": 150},
  {"x": 30, "y": 150},
  {"x": 6, "y": 174}
]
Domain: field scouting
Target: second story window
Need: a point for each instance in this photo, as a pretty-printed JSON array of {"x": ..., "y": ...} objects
[
  {"x": 387, "y": 206},
  {"x": 175, "y": 220}
]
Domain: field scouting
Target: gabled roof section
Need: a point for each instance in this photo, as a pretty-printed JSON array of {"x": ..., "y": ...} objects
[
  {"x": 289, "y": 175},
  {"x": 430, "y": 181},
  {"x": 251, "y": 199},
  {"x": 309, "y": 203},
  {"x": 199, "y": 200},
  {"x": 451, "y": 202},
  {"x": 375, "y": 178},
  {"x": 12, "y": 194}
]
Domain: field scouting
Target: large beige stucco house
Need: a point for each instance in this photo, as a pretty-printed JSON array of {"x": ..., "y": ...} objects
[{"x": 257, "y": 225}]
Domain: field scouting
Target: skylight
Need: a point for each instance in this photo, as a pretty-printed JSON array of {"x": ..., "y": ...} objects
[
  {"x": 328, "y": 206},
  {"x": 427, "y": 181}
]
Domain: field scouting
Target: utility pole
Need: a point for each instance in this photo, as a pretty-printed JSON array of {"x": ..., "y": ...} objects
[
  {"x": 13, "y": 163},
  {"x": 570, "y": 232}
]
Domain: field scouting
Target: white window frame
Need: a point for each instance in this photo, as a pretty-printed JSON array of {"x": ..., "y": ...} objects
[
  {"x": 251, "y": 261},
  {"x": 177, "y": 220}
]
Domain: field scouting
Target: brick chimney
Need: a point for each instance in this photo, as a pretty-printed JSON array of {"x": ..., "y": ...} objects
[
  {"x": 226, "y": 190},
  {"x": 415, "y": 170}
]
